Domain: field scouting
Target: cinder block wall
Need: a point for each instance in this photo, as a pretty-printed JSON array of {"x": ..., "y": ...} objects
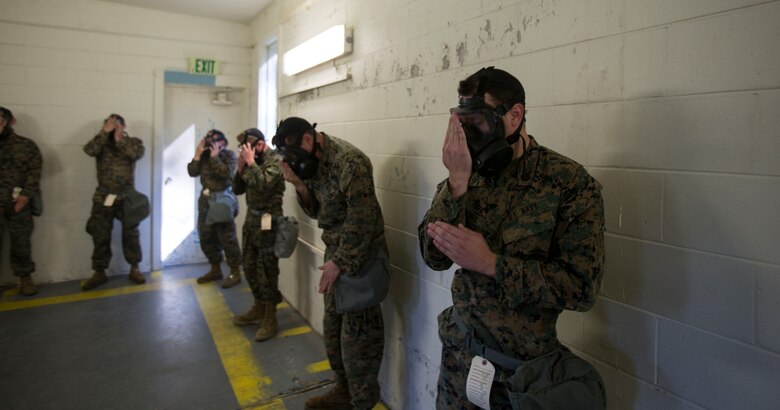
[
  {"x": 671, "y": 105},
  {"x": 64, "y": 66}
]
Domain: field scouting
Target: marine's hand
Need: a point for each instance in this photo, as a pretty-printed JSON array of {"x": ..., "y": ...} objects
[
  {"x": 246, "y": 154},
  {"x": 456, "y": 157},
  {"x": 464, "y": 247},
  {"x": 330, "y": 273},
  {"x": 289, "y": 175},
  {"x": 200, "y": 148},
  {"x": 20, "y": 202}
]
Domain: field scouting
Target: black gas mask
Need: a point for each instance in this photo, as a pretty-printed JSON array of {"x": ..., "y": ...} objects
[
  {"x": 7, "y": 116},
  {"x": 288, "y": 139},
  {"x": 490, "y": 150},
  {"x": 252, "y": 136},
  {"x": 211, "y": 138}
]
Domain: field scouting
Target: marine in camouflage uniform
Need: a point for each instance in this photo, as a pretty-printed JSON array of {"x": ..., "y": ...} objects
[
  {"x": 216, "y": 173},
  {"x": 261, "y": 179},
  {"x": 20, "y": 174},
  {"x": 341, "y": 197},
  {"x": 115, "y": 154},
  {"x": 542, "y": 219}
]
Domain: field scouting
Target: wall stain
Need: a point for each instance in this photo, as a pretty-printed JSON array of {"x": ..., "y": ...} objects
[
  {"x": 445, "y": 60},
  {"x": 415, "y": 70},
  {"x": 462, "y": 51},
  {"x": 488, "y": 30}
]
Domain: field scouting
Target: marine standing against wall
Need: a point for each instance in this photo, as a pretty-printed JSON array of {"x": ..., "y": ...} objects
[
  {"x": 526, "y": 226},
  {"x": 260, "y": 177},
  {"x": 20, "y": 175},
  {"x": 115, "y": 154}
]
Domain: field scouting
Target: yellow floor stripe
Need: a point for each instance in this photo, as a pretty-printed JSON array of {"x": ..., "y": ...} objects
[
  {"x": 10, "y": 293},
  {"x": 93, "y": 294},
  {"x": 282, "y": 305},
  {"x": 156, "y": 276},
  {"x": 318, "y": 367},
  {"x": 295, "y": 331},
  {"x": 246, "y": 377},
  {"x": 380, "y": 406}
]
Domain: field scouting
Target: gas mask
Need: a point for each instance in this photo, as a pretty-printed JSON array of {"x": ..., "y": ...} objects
[
  {"x": 211, "y": 138},
  {"x": 303, "y": 163},
  {"x": 247, "y": 137},
  {"x": 490, "y": 150}
]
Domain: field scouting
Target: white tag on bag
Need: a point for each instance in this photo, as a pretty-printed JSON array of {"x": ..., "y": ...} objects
[
  {"x": 480, "y": 381},
  {"x": 110, "y": 198},
  {"x": 265, "y": 222}
]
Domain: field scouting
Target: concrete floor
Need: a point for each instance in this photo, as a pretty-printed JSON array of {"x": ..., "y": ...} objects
[{"x": 167, "y": 344}]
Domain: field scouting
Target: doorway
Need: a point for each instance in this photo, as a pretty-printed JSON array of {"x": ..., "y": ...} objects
[{"x": 190, "y": 111}]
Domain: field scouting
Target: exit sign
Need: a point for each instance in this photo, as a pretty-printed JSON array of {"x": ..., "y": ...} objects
[{"x": 204, "y": 66}]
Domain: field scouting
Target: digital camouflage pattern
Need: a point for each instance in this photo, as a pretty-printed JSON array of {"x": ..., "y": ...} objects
[
  {"x": 544, "y": 218},
  {"x": 115, "y": 162},
  {"x": 216, "y": 175},
  {"x": 264, "y": 188},
  {"x": 344, "y": 203},
  {"x": 20, "y": 166}
]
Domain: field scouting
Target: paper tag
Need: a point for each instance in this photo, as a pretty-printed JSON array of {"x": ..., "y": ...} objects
[
  {"x": 480, "y": 381},
  {"x": 265, "y": 222},
  {"x": 109, "y": 200},
  {"x": 16, "y": 192},
  {"x": 206, "y": 192}
]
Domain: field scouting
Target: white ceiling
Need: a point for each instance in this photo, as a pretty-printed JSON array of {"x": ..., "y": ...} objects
[{"x": 238, "y": 11}]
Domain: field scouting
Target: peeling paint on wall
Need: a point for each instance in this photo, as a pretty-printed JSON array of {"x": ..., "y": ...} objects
[
  {"x": 462, "y": 51},
  {"x": 445, "y": 60}
]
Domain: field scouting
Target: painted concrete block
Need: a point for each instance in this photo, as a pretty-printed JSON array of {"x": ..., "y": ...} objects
[
  {"x": 685, "y": 285},
  {"x": 767, "y": 140},
  {"x": 621, "y": 336},
  {"x": 713, "y": 372},
  {"x": 633, "y": 202},
  {"x": 645, "y": 68},
  {"x": 605, "y": 69},
  {"x": 767, "y": 306},
  {"x": 13, "y": 75},
  {"x": 709, "y": 55},
  {"x": 26, "y": 56},
  {"x": 640, "y": 14},
  {"x": 12, "y": 95},
  {"x": 723, "y": 214},
  {"x": 84, "y": 60}
]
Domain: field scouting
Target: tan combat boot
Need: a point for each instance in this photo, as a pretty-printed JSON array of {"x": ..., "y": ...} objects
[
  {"x": 233, "y": 279},
  {"x": 26, "y": 286},
  {"x": 214, "y": 274},
  {"x": 136, "y": 275},
  {"x": 253, "y": 317},
  {"x": 269, "y": 326},
  {"x": 97, "y": 279},
  {"x": 337, "y": 398}
]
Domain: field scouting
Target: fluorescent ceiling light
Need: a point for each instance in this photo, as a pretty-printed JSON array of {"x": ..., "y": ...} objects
[{"x": 323, "y": 47}]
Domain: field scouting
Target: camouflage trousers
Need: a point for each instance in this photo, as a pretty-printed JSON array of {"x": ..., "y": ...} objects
[
  {"x": 454, "y": 371},
  {"x": 261, "y": 266},
  {"x": 215, "y": 238},
  {"x": 354, "y": 342},
  {"x": 100, "y": 225},
  {"x": 20, "y": 228}
]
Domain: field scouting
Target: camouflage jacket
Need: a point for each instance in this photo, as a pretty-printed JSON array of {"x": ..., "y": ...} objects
[
  {"x": 20, "y": 166},
  {"x": 115, "y": 162},
  {"x": 216, "y": 174},
  {"x": 344, "y": 203},
  {"x": 543, "y": 217},
  {"x": 263, "y": 185}
]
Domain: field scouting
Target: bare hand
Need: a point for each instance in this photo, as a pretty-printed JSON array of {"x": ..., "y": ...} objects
[
  {"x": 456, "y": 157},
  {"x": 110, "y": 124},
  {"x": 200, "y": 148},
  {"x": 20, "y": 202},
  {"x": 213, "y": 149},
  {"x": 464, "y": 247},
  {"x": 246, "y": 154},
  {"x": 330, "y": 273},
  {"x": 289, "y": 175}
]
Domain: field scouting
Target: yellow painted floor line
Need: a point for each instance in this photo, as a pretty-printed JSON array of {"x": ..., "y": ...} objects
[
  {"x": 92, "y": 294},
  {"x": 246, "y": 376},
  {"x": 295, "y": 331},
  {"x": 282, "y": 305},
  {"x": 10, "y": 293},
  {"x": 156, "y": 276},
  {"x": 380, "y": 406},
  {"x": 318, "y": 367}
]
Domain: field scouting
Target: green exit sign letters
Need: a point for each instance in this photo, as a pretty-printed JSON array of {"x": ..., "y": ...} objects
[{"x": 204, "y": 66}]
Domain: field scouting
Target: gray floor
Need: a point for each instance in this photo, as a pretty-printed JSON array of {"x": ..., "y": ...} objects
[{"x": 150, "y": 349}]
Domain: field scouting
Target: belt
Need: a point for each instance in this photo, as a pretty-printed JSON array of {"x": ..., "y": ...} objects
[{"x": 476, "y": 347}]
